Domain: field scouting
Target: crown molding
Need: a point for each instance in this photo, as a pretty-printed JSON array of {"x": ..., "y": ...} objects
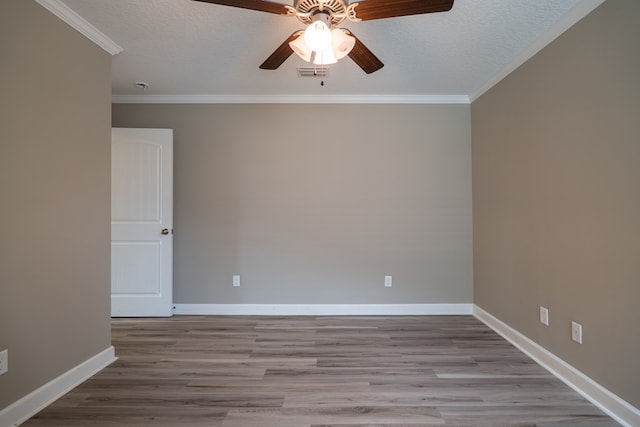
[
  {"x": 76, "y": 21},
  {"x": 290, "y": 99},
  {"x": 571, "y": 18}
]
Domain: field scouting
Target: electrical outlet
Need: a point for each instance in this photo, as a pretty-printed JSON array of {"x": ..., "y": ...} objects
[
  {"x": 576, "y": 332},
  {"x": 388, "y": 281},
  {"x": 544, "y": 316},
  {"x": 236, "y": 281},
  {"x": 4, "y": 361}
]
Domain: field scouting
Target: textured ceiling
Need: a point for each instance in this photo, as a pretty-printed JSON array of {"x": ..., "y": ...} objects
[{"x": 183, "y": 47}]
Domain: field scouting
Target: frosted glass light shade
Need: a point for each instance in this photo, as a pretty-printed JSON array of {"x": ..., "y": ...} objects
[
  {"x": 325, "y": 57},
  {"x": 317, "y": 36},
  {"x": 342, "y": 43},
  {"x": 300, "y": 48}
]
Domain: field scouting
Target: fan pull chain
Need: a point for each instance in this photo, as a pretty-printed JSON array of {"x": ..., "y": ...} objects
[{"x": 315, "y": 73}]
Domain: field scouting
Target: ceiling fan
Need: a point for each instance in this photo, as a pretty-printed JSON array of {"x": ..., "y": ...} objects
[{"x": 322, "y": 43}]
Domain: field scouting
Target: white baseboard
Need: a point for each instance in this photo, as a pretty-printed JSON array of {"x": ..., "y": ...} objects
[
  {"x": 23, "y": 409},
  {"x": 614, "y": 406},
  {"x": 324, "y": 309}
]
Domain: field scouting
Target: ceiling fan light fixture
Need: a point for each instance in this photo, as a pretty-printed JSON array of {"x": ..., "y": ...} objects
[
  {"x": 300, "y": 48},
  {"x": 317, "y": 35},
  {"x": 317, "y": 43},
  {"x": 341, "y": 43},
  {"x": 325, "y": 57}
]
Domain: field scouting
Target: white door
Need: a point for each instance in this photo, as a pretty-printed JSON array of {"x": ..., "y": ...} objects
[{"x": 141, "y": 222}]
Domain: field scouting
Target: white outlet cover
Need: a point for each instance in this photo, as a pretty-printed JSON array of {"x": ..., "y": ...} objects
[
  {"x": 4, "y": 361},
  {"x": 236, "y": 281},
  {"x": 544, "y": 316},
  {"x": 576, "y": 332},
  {"x": 388, "y": 281}
]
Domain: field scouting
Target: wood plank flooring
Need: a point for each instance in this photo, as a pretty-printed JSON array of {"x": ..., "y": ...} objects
[{"x": 318, "y": 372}]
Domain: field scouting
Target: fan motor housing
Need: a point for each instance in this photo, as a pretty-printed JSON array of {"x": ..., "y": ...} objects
[{"x": 306, "y": 9}]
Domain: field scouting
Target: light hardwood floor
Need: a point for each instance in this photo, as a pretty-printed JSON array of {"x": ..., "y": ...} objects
[{"x": 318, "y": 371}]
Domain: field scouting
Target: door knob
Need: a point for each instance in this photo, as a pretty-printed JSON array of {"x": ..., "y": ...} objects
[{"x": 165, "y": 231}]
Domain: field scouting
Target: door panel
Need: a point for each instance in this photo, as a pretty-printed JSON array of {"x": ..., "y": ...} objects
[
  {"x": 141, "y": 208},
  {"x": 139, "y": 270},
  {"x": 136, "y": 182}
]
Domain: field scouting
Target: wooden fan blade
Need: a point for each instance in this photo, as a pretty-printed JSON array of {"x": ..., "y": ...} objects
[
  {"x": 280, "y": 54},
  {"x": 378, "y": 9},
  {"x": 260, "y": 5},
  {"x": 363, "y": 57}
]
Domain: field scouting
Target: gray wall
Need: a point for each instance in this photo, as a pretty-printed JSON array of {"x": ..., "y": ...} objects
[
  {"x": 556, "y": 202},
  {"x": 316, "y": 203},
  {"x": 55, "y": 93}
]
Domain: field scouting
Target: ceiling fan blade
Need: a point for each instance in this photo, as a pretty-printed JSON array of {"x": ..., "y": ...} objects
[
  {"x": 378, "y": 9},
  {"x": 363, "y": 57},
  {"x": 260, "y": 5},
  {"x": 280, "y": 55}
]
